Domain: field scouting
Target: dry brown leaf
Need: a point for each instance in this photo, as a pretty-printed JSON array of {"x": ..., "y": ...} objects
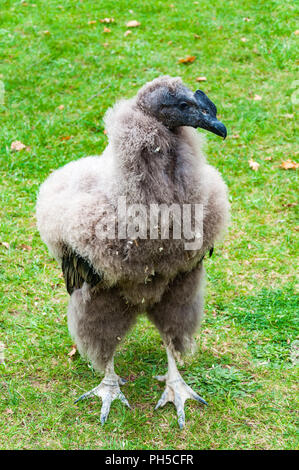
[
  {"x": 187, "y": 60},
  {"x": 46, "y": 33},
  {"x": 61, "y": 106},
  {"x": 5, "y": 244},
  {"x": 296, "y": 32},
  {"x": 17, "y": 146},
  {"x": 268, "y": 158},
  {"x": 106, "y": 30},
  {"x": 133, "y": 24},
  {"x": 257, "y": 98},
  {"x": 196, "y": 36},
  {"x": 107, "y": 20},
  {"x": 92, "y": 22},
  {"x": 253, "y": 165},
  {"x": 106, "y": 44},
  {"x": 105, "y": 132},
  {"x": 26, "y": 247},
  {"x": 127, "y": 33},
  {"x": 201, "y": 79},
  {"x": 289, "y": 165},
  {"x": 66, "y": 137},
  {"x": 72, "y": 351}
]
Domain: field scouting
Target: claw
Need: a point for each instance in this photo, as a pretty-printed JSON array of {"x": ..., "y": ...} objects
[
  {"x": 177, "y": 392},
  {"x": 108, "y": 391}
]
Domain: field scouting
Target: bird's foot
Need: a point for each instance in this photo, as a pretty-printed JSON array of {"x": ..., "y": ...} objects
[
  {"x": 177, "y": 392},
  {"x": 108, "y": 390}
]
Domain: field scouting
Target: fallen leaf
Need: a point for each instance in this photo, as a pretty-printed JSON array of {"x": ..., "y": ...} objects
[
  {"x": 92, "y": 22},
  {"x": 105, "y": 132},
  {"x": 106, "y": 44},
  {"x": 47, "y": 33},
  {"x": 66, "y": 137},
  {"x": 196, "y": 36},
  {"x": 17, "y": 146},
  {"x": 61, "y": 106},
  {"x": 253, "y": 165},
  {"x": 201, "y": 79},
  {"x": 257, "y": 98},
  {"x": 187, "y": 60},
  {"x": 26, "y": 247},
  {"x": 290, "y": 204},
  {"x": 106, "y": 30},
  {"x": 268, "y": 158},
  {"x": 289, "y": 165},
  {"x": 296, "y": 32},
  {"x": 133, "y": 24},
  {"x": 127, "y": 33},
  {"x": 72, "y": 351},
  {"x": 107, "y": 20},
  {"x": 5, "y": 244},
  {"x": 243, "y": 39}
]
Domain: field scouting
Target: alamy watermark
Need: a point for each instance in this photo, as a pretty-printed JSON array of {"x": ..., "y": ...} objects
[{"x": 153, "y": 221}]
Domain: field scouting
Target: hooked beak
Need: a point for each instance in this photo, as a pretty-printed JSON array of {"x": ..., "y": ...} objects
[
  {"x": 208, "y": 120},
  {"x": 213, "y": 125}
]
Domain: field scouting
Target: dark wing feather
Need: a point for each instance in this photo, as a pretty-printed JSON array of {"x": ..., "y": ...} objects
[{"x": 77, "y": 270}]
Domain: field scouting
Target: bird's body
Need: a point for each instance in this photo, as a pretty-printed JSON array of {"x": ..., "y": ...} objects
[{"x": 112, "y": 274}]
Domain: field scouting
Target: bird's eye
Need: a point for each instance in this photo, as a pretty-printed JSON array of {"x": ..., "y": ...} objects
[
  {"x": 184, "y": 105},
  {"x": 205, "y": 111}
]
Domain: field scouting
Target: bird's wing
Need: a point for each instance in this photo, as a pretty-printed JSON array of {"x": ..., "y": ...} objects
[{"x": 77, "y": 270}]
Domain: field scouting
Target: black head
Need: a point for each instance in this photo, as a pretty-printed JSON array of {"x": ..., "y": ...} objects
[{"x": 177, "y": 106}]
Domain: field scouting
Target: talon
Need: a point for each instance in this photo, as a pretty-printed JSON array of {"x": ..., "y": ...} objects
[
  {"x": 201, "y": 400},
  {"x": 86, "y": 395},
  {"x": 177, "y": 392},
  {"x": 108, "y": 391}
]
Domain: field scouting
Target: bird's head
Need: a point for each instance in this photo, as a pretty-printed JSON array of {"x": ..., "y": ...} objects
[{"x": 173, "y": 104}]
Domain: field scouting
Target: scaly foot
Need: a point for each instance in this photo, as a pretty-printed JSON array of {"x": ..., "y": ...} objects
[
  {"x": 176, "y": 390},
  {"x": 108, "y": 390}
]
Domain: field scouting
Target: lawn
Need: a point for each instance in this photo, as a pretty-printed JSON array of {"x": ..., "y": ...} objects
[{"x": 61, "y": 71}]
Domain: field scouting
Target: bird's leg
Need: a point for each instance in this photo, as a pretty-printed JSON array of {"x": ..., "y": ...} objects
[
  {"x": 108, "y": 390},
  {"x": 176, "y": 390}
]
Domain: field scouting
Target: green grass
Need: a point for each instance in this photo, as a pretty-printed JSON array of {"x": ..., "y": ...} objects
[{"x": 243, "y": 366}]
